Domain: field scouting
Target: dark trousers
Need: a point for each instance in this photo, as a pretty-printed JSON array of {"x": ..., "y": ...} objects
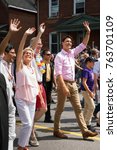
[
  {"x": 48, "y": 97},
  {"x": 97, "y": 109},
  {"x": 3, "y": 115},
  {"x": 48, "y": 113}
]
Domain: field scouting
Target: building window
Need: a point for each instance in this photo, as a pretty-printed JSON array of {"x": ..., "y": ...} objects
[
  {"x": 54, "y": 43},
  {"x": 53, "y": 8},
  {"x": 79, "y": 6}
]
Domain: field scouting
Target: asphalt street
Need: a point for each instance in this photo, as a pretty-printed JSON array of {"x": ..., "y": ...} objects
[{"x": 69, "y": 126}]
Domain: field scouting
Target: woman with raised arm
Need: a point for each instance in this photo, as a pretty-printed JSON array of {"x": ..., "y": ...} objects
[{"x": 26, "y": 90}]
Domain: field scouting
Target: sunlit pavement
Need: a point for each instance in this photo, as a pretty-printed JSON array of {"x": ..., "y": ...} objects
[{"x": 69, "y": 127}]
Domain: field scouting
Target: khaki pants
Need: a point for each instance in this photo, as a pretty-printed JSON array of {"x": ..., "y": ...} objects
[
  {"x": 89, "y": 107},
  {"x": 75, "y": 101}
]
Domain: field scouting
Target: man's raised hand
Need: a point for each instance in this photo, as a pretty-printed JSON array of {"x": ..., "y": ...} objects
[
  {"x": 86, "y": 25},
  {"x": 14, "y": 25}
]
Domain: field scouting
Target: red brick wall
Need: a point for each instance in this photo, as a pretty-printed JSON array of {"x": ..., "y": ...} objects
[
  {"x": 66, "y": 11},
  {"x": 43, "y": 17},
  {"x": 3, "y": 18},
  {"x": 43, "y": 10},
  {"x": 95, "y": 37},
  {"x": 26, "y": 20},
  {"x": 3, "y": 14},
  {"x": 50, "y": 22},
  {"x": 92, "y": 7},
  {"x": 66, "y": 8},
  {"x": 29, "y": 19}
]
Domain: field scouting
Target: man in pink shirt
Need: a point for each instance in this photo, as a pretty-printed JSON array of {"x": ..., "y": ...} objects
[{"x": 65, "y": 76}]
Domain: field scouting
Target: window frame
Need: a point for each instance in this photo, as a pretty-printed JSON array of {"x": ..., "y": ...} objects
[
  {"x": 50, "y": 9},
  {"x": 75, "y": 8},
  {"x": 50, "y": 42}
]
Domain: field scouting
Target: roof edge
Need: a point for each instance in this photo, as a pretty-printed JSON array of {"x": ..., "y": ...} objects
[
  {"x": 11, "y": 6},
  {"x": 4, "y": 2}
]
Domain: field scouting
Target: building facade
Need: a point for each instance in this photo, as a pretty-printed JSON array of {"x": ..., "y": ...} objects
[
  {"x": 66, "y": 17},
  {"x": 61, "y": 17},
  {"x": 25, "y": 11}
]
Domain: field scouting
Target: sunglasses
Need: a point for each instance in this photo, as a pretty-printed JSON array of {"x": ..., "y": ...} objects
[{"x": 48, "y": 54}]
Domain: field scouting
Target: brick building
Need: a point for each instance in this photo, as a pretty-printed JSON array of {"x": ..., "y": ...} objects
[
  {"x": 60, "y": 16},
  {"x": 66, "y": 17},
  {"x": 24, "y": 10}
]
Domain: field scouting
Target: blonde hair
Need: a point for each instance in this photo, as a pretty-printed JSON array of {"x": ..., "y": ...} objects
[{"x": 28, "y": 49}]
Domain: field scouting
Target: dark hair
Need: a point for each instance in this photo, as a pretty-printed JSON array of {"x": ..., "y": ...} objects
[
  {"x": 9, "y": 47},
  {"x": 45, "y": 51},
  {"x": 67, "y": 36},
  {"x": 90, "y": 59}
]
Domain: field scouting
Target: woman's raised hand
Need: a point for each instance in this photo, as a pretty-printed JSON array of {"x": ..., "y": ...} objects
[{"x": 30, "y": 31}]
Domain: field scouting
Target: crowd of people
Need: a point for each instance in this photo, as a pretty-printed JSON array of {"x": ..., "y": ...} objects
[{"x": 27, "y": 79}]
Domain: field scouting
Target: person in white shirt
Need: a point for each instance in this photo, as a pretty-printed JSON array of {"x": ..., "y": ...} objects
[{"x": 4, "y": 63}]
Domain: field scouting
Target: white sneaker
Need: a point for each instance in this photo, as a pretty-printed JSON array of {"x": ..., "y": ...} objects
[{"x": 34, "y": 142}]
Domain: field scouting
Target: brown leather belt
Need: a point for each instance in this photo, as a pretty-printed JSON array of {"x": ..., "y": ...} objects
[{"x": 69, "y": 81}]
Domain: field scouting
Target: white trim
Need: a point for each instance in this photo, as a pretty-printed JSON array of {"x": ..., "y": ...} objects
[
  {"x": 50, "y": 11},
  {"x": 50, "y": 40},
  {"x": 74, "y": 8},
  {"x": 11, "y": 6},
  {"x": 50, "y": 8}
]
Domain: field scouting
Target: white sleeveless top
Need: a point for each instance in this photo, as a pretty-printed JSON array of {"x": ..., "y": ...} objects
[{"x": 26, "y": 84}]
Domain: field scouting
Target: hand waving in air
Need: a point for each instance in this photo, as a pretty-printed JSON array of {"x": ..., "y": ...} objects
[
  {"x": 30, "y": 31},
  {"x": 14, "y": 23},
  {"x": 13, "y": 28},
  {"x": 86, "y": 25},
  {"x": 42, "y": 27}
]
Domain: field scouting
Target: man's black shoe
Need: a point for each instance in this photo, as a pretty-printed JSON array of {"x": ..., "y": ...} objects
[
  {"x": 98, "y": 125},
  {"x": 48, "y": 121},
  {"x": 91, "y": 128},
  {"x": 53, "y": 102},
  {"x": 95, "y": 115}
]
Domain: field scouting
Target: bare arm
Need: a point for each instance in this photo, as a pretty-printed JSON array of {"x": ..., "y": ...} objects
[
  {"x": 95, "y": 82},
  {"x": 87, "y": 88},
  {"x": 54, "y": 81},
  {"x": 77, "y": 66},
  {"x": 41, "y": 31},
  {"x": 87, "y": 36},
  {"x": 12, "y": 29},
  {"x": 21, "y": 47}
]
